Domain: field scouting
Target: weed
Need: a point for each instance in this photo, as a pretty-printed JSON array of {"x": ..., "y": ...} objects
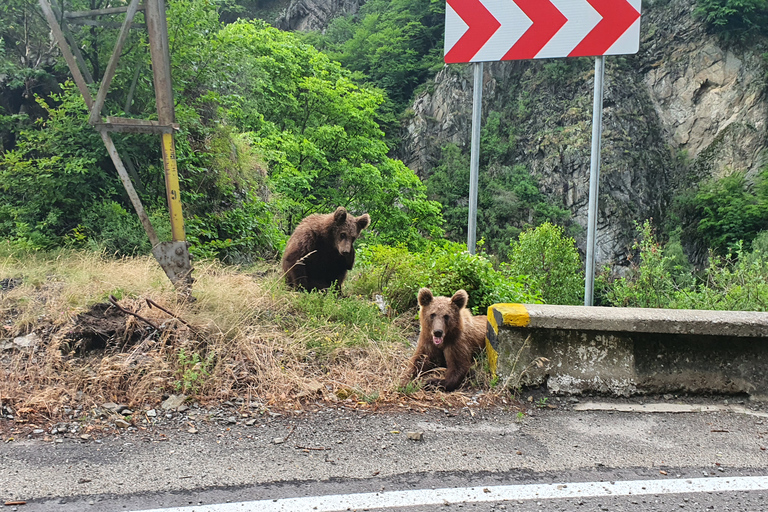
[{"x": 192, "y": 371}]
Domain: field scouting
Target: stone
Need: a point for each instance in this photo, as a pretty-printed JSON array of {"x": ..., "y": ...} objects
[
  {"x": 173, "y": 402},
  {"x": 29, "y": 341}
]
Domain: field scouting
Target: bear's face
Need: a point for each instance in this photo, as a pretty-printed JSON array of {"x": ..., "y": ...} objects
[
  {"x": 346, "y": 229},
  {"x": 441, "y": 316}
]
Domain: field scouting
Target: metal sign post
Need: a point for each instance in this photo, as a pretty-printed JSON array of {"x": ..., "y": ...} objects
[
  {"x": 594, "y": 181},
  {"x": 479, "y": 31},
  {"x": 477, "y": 109}
]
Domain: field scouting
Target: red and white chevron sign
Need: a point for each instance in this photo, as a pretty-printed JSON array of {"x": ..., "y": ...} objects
[{"x": 493, "y": 30}]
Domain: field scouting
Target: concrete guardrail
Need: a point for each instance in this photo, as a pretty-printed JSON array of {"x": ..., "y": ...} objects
[{"x": 628, "y": 351}]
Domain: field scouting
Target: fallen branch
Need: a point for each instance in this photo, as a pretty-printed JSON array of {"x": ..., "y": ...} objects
[
  {"x": 113, "y": 300},
  {"x": 152, "y": 304}
]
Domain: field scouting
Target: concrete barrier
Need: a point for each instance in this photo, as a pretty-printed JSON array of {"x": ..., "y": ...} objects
[{"x": 628, "y": 351}]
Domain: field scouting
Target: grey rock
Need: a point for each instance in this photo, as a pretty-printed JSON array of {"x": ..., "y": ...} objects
[
  {"x": 30, "y": 341},
  {"x": 173, "y": 402}
]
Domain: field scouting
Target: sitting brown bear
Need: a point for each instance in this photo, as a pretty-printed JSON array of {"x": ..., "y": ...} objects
[
  {"x": 321, "y": 250},
  {"x": 449, "y": 337}
]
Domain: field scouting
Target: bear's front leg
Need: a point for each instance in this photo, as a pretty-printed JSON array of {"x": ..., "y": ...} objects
[
  {"x": 417, "y": 365},
  {"x": 457, "y": 367}
]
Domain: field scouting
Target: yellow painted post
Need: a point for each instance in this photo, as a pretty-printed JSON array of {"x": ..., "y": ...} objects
[{"x": 172, "y": 188}]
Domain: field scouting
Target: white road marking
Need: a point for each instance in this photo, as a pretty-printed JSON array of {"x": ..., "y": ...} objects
[{"x": 426, "y": 497}]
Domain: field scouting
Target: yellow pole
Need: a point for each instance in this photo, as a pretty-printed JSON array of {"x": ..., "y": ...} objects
[{"x": 172, "y": 188}]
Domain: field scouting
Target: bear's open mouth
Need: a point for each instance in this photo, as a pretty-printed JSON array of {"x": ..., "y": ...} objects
[{"x": 437, "y": 340}]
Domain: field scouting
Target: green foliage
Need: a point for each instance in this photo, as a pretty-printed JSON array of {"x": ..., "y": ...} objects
[
  {"x": 724, "y": 211},
  {"x": 650, "y": 284},
  {"x": 394, "y": 44},
  {"x": 551, "y": 264},
  {"x": 312, "y": 126},
  {"x": 108, "y": 227},
  {"x": 735, "y": 19},
  {"x": 509, "y": 199},
  {"x": 55, "y": 172},
  {"x": 737, "y": 282},
  {"x": 192, "y": 371},
  {"x": 249, "y": 98},
  {"x": 445, "y": 267}
]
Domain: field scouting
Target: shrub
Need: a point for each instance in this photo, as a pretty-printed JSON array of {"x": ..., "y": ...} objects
[
  {"x": 734, "y": 19},
  {"x": 550, "y": 263},
  {"x": 444, "y": 267},
  {"x": 737, "y": 281},
  {"x": 649, "y": 283}
]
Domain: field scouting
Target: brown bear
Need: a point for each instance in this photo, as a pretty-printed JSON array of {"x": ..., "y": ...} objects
[
  {"x": 449, "y": 337},
  {"x": 321, "y": 250}
]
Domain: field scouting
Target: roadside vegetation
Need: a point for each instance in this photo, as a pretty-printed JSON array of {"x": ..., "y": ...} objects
[{"x": 276, "y": 126}]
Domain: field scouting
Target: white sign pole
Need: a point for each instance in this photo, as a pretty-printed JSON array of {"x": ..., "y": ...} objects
[
  {"x": 594, "y": 180},
  {"x": 477, "y": 107}
]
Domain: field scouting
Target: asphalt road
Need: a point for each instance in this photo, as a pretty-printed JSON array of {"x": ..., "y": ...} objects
[{"x": 340, "y": 451}]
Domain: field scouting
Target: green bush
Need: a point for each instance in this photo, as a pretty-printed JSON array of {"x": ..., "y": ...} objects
[
  {"x": 108, "y": 227},
  {"x": 734, "y": 19},
  {"x": 551, "y": 264},
  {"x": 737, "y": 281},
  {"x": 648, "y": 284},
  {"x": 723, "y": 211},
  {"x": 56, "y": 171},
  {"x": 444, "y": 267}
]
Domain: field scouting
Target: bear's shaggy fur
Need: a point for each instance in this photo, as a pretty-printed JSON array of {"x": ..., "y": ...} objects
[
  {"x": 449, "y": 337},
  {"x": 321, "y": 250}
]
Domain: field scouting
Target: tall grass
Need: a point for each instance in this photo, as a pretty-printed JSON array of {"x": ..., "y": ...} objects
[{"x": 245, "y": 335}]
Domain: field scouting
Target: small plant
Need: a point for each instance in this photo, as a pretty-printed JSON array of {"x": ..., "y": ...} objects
[
  {"x": 519, "y": 417},
  {"x": 367, "y": 397},
  {"x": 193, "y": 370},
  {"x": 542, "y": 402},
  {"x": 410, "y": 388}
]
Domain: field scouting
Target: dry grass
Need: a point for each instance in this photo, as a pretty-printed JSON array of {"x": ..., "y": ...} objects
[{"x": 244, "y": 336}]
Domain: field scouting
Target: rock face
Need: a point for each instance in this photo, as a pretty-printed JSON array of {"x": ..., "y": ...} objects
[
  {"x": 683, "y": 108},
  {"x": 306, "y": 15}
]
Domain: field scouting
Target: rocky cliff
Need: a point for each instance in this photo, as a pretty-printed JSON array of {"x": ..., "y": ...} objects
[
  {"x": 682, "y": 109},
  {"x": 305, "y": 15}
]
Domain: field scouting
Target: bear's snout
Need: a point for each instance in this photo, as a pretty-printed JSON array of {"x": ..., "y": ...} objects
[{"x": 437, "y": 336}]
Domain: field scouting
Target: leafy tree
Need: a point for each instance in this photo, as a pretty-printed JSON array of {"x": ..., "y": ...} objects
[
  {"x": 509, "y": 199},
  {"x": 318, "y": 134},
  {"x": 551, "y": 264},
  {"x": 723, "y": 211},
  {"x": 250, "y": 99},
  {"x": 56, "y": 169},
  {"x": 735, "y": 19},
  {"x": 395, "y": 45}
]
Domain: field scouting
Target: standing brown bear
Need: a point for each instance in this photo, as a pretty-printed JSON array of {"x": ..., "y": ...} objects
[
  {"x": 321, "y": 250},
  {"x": 449, "y": 337}
]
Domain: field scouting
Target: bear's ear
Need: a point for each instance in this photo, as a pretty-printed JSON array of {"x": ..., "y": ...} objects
[
  {"x": 460, "y": 299},
  {"x": 425, "y": 297},
  {"x": 362, "y": 222},
  {"x": 340, "y": 215}
]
